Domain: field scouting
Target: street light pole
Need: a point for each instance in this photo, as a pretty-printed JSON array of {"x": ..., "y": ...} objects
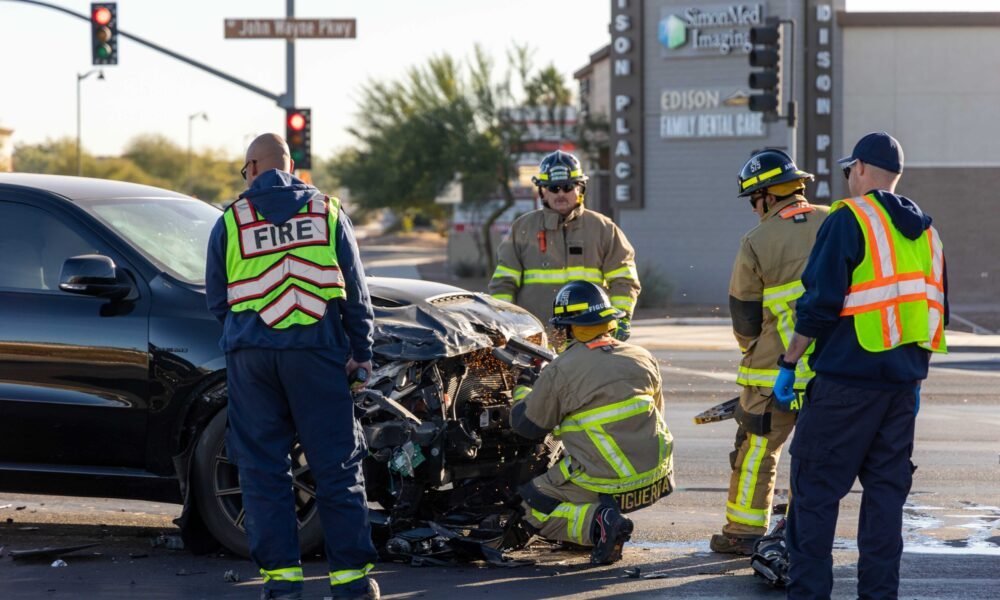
[
  {"x": 79, "y": 78},
  {"x": 191, "y": 119}
]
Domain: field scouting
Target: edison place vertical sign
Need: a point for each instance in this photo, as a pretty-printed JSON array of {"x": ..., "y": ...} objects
[{"x": 626, "y": 103}]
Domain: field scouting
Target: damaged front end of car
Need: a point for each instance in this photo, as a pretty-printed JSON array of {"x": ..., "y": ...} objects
[{"x": 443, "y": 463}]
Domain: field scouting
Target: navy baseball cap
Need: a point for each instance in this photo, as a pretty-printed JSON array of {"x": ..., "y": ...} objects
[{"x": 878, "y": 149}]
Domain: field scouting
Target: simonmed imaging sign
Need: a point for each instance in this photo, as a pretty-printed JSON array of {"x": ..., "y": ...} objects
[{"x": 707, "y": 30}]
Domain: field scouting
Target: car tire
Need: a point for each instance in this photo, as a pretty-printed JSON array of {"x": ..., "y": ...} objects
[{"x": 216, "y": 492}]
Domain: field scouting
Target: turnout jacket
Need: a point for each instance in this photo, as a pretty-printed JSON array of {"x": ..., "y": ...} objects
[
  {"x": 545, "y": 250},
  {"x": 346, "y": 329},
  {"x": 764, "y": 287},
  {"x": 604, "y": 400}
]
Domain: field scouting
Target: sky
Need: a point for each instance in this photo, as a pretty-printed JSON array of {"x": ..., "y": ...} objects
[{"x": 147, "y": 92}]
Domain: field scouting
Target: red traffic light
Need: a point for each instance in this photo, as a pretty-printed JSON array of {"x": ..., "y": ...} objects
[
  {"x": 102, "y": 15},
  {"x": 296, "y": 121}
]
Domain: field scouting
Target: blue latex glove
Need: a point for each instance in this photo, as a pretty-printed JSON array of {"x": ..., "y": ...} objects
[
  {"x": 916, "y": 407},
  {"x": 624, "y": 329},
  {"x": 784, "y": 388}
]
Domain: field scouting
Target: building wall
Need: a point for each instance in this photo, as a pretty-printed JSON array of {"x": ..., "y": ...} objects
[
  {"x": 689, "y": 228},
  {"x": 600, "y": 90},
  {"x": 936, "y": 90}
]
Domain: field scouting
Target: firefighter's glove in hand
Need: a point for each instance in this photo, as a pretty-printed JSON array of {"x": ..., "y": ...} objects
[
  {"x": 624, "y": 329},
  {"x": 916, "y": 406},
  {"x": 784, "y": 385}
]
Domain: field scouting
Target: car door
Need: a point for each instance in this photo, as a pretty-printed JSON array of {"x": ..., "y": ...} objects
[{"x": 73, "y": 369}]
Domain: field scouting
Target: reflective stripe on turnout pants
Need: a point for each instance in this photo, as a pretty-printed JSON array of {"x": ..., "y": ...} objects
[
  {"x": 572, "y": 519},
  {"x": 754, "y": 465},
  {"x": 272, "y": 395}
]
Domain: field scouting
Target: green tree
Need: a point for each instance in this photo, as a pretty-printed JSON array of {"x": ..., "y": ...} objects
[
  {"x": 148, "y": 159},
  {"x": 416, "y": 133}
]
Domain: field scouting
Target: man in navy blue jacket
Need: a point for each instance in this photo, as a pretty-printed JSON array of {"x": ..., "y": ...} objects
[
  {"x": 285, "y": 278},
  {"x": 874, "y": 329}
]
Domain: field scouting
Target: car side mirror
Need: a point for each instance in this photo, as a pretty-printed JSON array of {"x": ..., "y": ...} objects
[{"x": 94, "y": 275}]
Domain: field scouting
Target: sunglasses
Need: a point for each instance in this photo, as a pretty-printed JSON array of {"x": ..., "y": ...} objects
[
  {"x": 754, "y": 197},
  {"x": 243, "y": 171},
  {"x": 556, "y": 188},
  {"x": 847, "y": 171}
]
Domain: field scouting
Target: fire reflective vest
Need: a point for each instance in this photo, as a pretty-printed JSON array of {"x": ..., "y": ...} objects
[
  {"x": 286, "y": 273},
  {"x": 897, "y": 292}
]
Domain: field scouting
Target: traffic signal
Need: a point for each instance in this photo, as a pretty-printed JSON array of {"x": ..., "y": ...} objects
[
  {"x": 298, "y": 134},
  {"x": 766, "y": 53},
  {"x": 104, "y": 33}
]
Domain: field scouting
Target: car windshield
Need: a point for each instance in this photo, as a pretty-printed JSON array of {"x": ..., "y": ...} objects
[{"x": 171, "y": 232}]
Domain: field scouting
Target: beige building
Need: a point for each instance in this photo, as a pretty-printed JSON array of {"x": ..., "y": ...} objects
[{"x": 676, "y": 71}]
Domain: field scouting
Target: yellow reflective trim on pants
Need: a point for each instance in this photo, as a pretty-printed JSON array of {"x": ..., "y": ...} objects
[
  {"x": 574, "y": 515},
  {"x": 288, "y": 574},
  {"x": 349, "y": 575},
  {"x": 502, "y": 272},
  {"x": 753, "y": 517},
  {"x": 504, "y": 297},
  {"x": 749, "y": 470}
]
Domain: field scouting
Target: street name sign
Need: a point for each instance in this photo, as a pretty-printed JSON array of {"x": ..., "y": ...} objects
[{"x": 290, "y": 28}]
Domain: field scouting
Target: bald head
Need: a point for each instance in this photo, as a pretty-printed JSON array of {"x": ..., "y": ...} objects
[{"x": 267, "y": 151}]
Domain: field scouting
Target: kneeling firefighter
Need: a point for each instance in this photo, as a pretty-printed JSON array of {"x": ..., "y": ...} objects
[{"x": 602, "y": 398}]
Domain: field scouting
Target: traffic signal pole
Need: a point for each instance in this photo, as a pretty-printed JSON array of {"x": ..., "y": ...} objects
[
  {"x": 279, "y": 99},
  {"x": 771, "y": 80}
]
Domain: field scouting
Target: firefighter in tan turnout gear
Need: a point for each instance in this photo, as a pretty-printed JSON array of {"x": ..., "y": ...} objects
[
  {"x": 762, "y": 292},
  {"x": 602, "y": 398},
  {"x": 564, "y": 242}
]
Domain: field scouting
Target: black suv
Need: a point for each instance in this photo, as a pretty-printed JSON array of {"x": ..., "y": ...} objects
[{"x": 112, "y": 382}]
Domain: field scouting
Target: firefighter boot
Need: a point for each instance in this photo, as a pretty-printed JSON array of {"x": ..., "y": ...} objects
[
  {"x": 733, "y": 544},
  {"x": 610, "y": 531}
]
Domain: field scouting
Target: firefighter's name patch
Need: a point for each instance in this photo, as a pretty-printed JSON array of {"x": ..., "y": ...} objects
[{"x": 645, "y": 496}]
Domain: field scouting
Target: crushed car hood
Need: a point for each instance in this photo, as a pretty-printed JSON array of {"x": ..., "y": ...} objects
[{"x": 421, "y": 320}]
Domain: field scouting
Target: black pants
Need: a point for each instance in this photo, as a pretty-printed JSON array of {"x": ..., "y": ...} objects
[{"x": 845, "y": 432}]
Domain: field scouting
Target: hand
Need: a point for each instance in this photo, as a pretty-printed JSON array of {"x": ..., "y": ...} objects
[
  {"x": 352, "y": 366},
  {"x": 916, "y": 407},
  {"x": 624, "y": 329},
  {"x": 784, "y": 388}
]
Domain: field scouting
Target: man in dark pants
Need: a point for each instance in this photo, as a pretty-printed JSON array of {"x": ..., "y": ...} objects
[
  {"x": 285, "y": 278},
  {"x": 875, "y": 302}
]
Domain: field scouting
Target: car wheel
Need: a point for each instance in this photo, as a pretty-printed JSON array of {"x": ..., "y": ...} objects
[{"x": 216, "y": 483}]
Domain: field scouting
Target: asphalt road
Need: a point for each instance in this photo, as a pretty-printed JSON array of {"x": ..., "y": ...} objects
[
  {"x": 952, "y": 526},
  {"x": 951, "y": 530}
]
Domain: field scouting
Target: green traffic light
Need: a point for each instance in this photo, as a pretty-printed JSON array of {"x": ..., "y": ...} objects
[
  {"x": 104, "y": 51},
  {"x": 296, "y": 155}
]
